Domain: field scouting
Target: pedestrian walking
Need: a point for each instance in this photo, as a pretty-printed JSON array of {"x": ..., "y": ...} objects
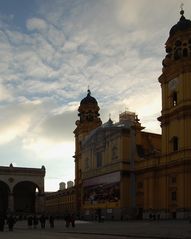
[
  {"x": 11, "y": 221},
  {"x": 42, "y": 221},
  {"x": 35, "y": 221},
  {"x": 72, "y": 219},
  {"x": 51, "y": 221},
  {"x": 67, "y": 220}
]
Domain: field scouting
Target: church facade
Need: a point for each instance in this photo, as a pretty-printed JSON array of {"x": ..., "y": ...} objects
[{"x": 122, "y": 171}]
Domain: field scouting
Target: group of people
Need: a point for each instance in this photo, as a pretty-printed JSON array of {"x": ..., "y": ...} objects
[
  {"x": 33, "y": 221},
  {"x": 10, "y": 220},
  {"x": 154, "y": 217},
  {"x": 70, "y": 219}
]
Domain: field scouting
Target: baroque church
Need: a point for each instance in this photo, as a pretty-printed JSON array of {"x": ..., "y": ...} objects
[{"x": 123, "y": 172}]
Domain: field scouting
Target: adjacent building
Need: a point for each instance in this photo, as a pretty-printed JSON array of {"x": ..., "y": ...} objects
[
  {"x": 62, "y": 202},
  {"x": 22, "y": 190}
]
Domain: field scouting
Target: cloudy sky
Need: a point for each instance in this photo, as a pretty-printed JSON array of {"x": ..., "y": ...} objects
[{"x": 51, "y": 51}]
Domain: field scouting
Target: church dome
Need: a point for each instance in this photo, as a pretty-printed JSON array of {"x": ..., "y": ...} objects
[
  {"x": 88, "y": 99},
  {"x": 182, "y": 25}
]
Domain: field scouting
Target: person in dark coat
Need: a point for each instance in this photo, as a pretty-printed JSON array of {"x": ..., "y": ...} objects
[
  {"x": 2, "y": 222},
  {"x": 72, "y": 219},
  {"x": 42, "y": 221},
  {"x": 51, "y": 221},
  {"x": 10, "y": 221},
  {"x": 67, "y": 220}
]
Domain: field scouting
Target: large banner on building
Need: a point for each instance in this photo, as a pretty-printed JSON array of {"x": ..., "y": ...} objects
[
  {"x": 104, "y": 179},
  {"x": 102, "y": 189}
]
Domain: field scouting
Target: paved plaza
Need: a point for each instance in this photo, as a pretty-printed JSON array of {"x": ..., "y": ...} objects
[{"x": 104, "y": 230}]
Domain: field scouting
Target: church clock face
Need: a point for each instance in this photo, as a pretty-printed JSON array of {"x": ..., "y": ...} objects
[{"x": 172, "y": 85}]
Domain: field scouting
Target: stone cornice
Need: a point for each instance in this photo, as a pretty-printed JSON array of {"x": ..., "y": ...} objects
[
  {"x": 178, "y": 113},
  {"x": 24, "y": 171},
  {"x": 178, "y": 67}
]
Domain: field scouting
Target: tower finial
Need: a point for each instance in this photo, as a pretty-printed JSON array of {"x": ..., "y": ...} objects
[
  {"x": 181, "y": 9},
  {"x": 89, "y": 92}
]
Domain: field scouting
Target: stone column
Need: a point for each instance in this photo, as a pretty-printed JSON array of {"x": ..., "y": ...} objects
[
  {"x": 39, "y": 203},
  {"x": 10, "y": 203}
]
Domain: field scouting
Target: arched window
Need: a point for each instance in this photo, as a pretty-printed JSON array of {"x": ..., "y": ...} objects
[
  {"x": 174, "y": 98},
  {"x": 177, "y": 54},
  {"x": 175, "y": 143}
]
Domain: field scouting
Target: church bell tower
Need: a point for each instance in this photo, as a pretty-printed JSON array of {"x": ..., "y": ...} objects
[
  {"x": 176, "y": 120},
  {"x": 88, "y": 120}
]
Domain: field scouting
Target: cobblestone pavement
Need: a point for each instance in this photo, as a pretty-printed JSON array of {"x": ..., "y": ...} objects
[{"x": 105, "y": 230}]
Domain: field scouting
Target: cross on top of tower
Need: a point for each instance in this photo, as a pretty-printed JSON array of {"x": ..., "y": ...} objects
[
  {"x": 89, "y": 92},
  {"x": 181, "y": 9}
]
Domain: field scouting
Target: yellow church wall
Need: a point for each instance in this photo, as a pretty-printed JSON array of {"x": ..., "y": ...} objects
[
  {"x": 146, "y": 192},
  {"x": 162, "y": 191},
  {"x": 140, "y": 190},
  {"x": 183, "y": 185},
  {"x": 120, "y": 141},
  {"x": 139, "y": 137},
  {"x": 125, "y": 191},
  {"x": 187, "y": 87},
  {"x": 180, "y": 129},
  {"x": 151, "y": 183},
  {"x": 125, "y": 148},
  {"x": 182, "y": 88},
  {"x": 164, "y": 144},
  {"x": 158, "y": 191},
  {"x": 187, "y": 187},
  {"x": 169, "y": 180},
  {"x": 181, "y": 190}
]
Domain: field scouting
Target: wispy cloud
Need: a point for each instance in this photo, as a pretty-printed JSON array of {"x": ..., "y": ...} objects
[{"x": 115, "y": 47}]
